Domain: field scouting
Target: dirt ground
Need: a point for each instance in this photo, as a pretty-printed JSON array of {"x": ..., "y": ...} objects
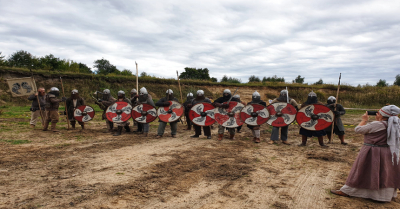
[{"x": 92, "y": 169}]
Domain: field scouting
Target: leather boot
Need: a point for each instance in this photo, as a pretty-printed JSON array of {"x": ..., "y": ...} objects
[
  {"x": 118, "y": 131},
  {"x": 127, "y": 129},
  {"x": 45, "y": 126},
  {"x": 83, "y": 126},
  {"x": 232, "y": 136},
  {"x": 341, "y": 137},
  {"x": 32, "y": 126},
  {"x": 145, "y": 134},
  {"x": 220, "y": 136},
  {"x": 73, "y": 124},
  {"x": 303, "y": 141},
  {"x": 53, "y": 127},
  {"x": 321, "y": 142},
  {"x": 257, "y": 140}
]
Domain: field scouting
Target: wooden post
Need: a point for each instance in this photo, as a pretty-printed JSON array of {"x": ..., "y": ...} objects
[
  {"x": 65, "y": 103},
  {"x": 137, "y": 77},
  {"x": 334, "y": 117}
]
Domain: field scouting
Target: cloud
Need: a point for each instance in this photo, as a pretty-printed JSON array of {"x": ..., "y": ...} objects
[{"x": 314, "y": 39}]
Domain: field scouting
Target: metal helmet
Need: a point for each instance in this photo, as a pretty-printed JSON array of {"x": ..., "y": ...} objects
[
  {"x": 169, "y": 91},
  {"x": 106, "y": 91},
  {"x": 200, "y": 92},
  {"x": 312, "y": 94},
  {"x": 331, "y": 100},
  {"x": 74, "y": 91},
  {"x": 256, "y": 97},
  {"x": 227, "y": 91},
  {"x": 121, "y": 93},
  {"x": 143, "y": 91},
  {"x": 189, "y": 95},
  {"x": 133, "y": 91},
  {"x": 237, "y": 96},
  {"x": 54, "y": 89}
]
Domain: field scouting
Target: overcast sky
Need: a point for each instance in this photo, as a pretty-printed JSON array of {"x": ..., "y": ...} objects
[{"x": 314, "y": 39}]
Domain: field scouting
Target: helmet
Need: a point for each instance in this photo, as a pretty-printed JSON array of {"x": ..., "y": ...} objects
[{"x": 200, "y": 92}]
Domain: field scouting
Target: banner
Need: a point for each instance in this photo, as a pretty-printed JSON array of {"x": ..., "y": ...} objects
[{"x": 22, "y": 86}]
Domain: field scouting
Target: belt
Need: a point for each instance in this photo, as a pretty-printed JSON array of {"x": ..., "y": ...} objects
[{"x": 374, "y": 145}]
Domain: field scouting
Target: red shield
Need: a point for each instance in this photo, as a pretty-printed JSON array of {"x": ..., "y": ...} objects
[
  {"x": 119, "y": 112},
  {"x": 202, "y": 114},
  {"x": 282, "y": 114},
  {"x": 144, "y": 113},
  {"x": 230, "y": 117},
  {"x": 84, "y": 113},
  {"x": 171, "y": 113},
  {"x": 314, "y": 117},
  {"x": 254, "y": 114}
]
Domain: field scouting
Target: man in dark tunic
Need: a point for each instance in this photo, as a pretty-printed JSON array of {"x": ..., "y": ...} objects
[
  {"x": 104, "y": 103},
  {"x": 52, "y": 105},
  {"x": 200, "y": 98},
  {"x": 163, "y": 102},
  {"x": 338, "y": 125},
  {"x": 36, "y": 111},
  {"x": 186, "y": 104},
  {"x": 256, "y": 99},
  {"x": 73, "y": 102},
  {"x": 219, "y": 103}
]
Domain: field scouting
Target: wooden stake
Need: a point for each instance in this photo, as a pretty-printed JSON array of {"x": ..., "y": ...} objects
[
  {"x": 337, "y": 98},
  {"x": 65, "y": 103}
]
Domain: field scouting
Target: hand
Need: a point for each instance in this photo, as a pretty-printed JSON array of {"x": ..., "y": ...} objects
[
  {"x": 166, "y": 104},
  {"x": 63, "y": 99},
  {"x": 136, "y": 96},
  {"x": 365, "y": 117},
  {"x": 36, "y": 94},
  {"x": 225, "y": 106},
  {"x": 337, "y": 113},
  {"x": 217, "y": 104}
]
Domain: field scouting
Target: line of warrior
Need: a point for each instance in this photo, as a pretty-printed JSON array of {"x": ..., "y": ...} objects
[{"x": 229, "y": 112}]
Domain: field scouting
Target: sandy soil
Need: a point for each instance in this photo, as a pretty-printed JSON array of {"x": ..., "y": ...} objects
[{"x": 92, "y": 169}]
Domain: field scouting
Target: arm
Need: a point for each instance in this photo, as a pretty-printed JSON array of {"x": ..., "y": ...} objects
[
  {"x": 32, "y": 97},
  {"x": 340, "y": 109},
  {"x": 160, "y": 103},
  {"x": 83, "y": 101},
  {"x": 294, "y": 103}
]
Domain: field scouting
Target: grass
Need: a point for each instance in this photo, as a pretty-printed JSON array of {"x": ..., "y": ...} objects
[{"x": 17, "y": 141}]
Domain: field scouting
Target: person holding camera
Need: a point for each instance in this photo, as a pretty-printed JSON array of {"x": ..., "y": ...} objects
[
  {"x": 376, "y": 171},
  {"x": 36, "y": 108},
  {"x": 338, "y": 128}
]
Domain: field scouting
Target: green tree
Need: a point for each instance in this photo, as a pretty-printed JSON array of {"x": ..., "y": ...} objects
[
  {"x": 254, "y": 78},
  {"x": 382, "y": 83},
  {"x": 2, "y": 60},
  {"x": 273, "y": 79},
  {"x": 397, "y": 81},
  {"x": 20, "y": 59},
  {"x": 83, "y": 68},
  {"x": 126, "y": 72},
  {"x": 50, "y": 62},
  {"x": 319, "y": 82},
  {"x": 225, "y": 79},
  {"x": 298, "y": 79},
  {"x": 195, "y": 74},
  {"x": 104, "y": 67},
  {"x": 214, "y": 79}
]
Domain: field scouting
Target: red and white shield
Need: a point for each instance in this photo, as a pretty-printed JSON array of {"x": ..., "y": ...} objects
[
  {"x": 254, "y": 114},
  {"x": 282, "y": 114},
  {"x": 171, "y": 113},
  {"x": 315, "y": 117},
  {"x": 84, "y": 113},
  {"x": 202, "y": 114},
  {"x": 230, "y": 117},
  {"x": 119, "y": 112},
  {"x": 144, "y": 113}
]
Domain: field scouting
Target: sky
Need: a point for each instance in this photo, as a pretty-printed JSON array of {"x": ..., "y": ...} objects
[{"x": 315, "y": 39}]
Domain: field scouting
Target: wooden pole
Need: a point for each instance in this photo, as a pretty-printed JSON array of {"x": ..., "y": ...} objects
[
  {"x": 137, "y": 77},
  {"x": 65, "y": 103},
  {"x": 40, "y": 108},
  {"x": 179, "y": 83},
  {"x": 337, "y": 98}
]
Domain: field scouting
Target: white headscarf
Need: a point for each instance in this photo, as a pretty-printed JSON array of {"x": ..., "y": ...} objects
[{"x": 393, "y": 130}]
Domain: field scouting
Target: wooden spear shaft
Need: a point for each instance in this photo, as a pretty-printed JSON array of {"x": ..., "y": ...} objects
[
  {"x": 40, "y": 108},
  {"x": 179, "y": 85},
  {"x": 137, "y": 77},
  {"x": 337, "y": 98},
  {"x": 65, "y": 102}
]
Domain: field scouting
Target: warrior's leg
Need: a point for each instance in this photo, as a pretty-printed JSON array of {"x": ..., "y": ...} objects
[
  {"x": 341, "y": 137},
  {"x": 321, "y": 141},
  {"x": 174, "y": 128},
  {"x": 274, "y": 135},
  {"x": 284, "y": 134},
  {"x": 303, "y": 140},
  {"x": 207, "y": 131},
  {"x": 231, "y": 133},
  {"x": 221, "y": 130},
  {"x": 197, "y": 131},
  {"x": 161, "y": 128},
  {"x": 54, "y": 120},
  {"x": 146, "y": 128},
  {"x": 256, "y": 130}
]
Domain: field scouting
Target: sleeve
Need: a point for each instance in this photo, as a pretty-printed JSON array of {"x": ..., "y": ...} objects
[
  {"x": 219, "y": 100},
  {"x": 341, "y": 109},
  {"x": 68, "y": 103},
  {"x": 207, "y": 101},
  {"x": 370, "y": 128},
  {"x": 55, "y": 100},
  {"x": 294, "y": 103},
  {"x": 263, "y": 103},
  {"x": 150, "y": 102},
  {"x": 83, "y": 101},
  {"x": 32, "y": 97},
  {"x": 274, "y": 101},
  {"x": 160, "y": 102},
  {"x": 128, "y": 101},
  {"x": 109, "y": 102}
]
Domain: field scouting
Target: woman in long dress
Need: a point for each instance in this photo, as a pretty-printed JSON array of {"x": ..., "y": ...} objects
[{"x": 376, "y": 172}]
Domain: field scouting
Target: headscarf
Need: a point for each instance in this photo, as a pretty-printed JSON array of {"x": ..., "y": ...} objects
[{"x": 393, "y": 130}]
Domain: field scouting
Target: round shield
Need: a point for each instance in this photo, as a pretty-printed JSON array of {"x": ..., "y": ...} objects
[
  {"x": 171, "y": 113},
  {"x": 144, "y": 113},
  {"x": 230, "y": 117},
  {"x": 202, "y": 114},
  {"x": 119, "y": 112},
  {"x": 314, "y": 117},
  {"x": 84, "y": 113},
  {"x": 282, "y": 114},
  {"x": 254, "y": 114}
]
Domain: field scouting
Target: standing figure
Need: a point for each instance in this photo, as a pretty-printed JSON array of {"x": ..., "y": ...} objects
[
  {"x": 36, "y": 111},
  {"x": 338, "y": 128},
  {"x": 200, "y": 98},
  {"x": 186, "y": 104},
  {"x": 283, "y": 97},
  {"x": 145, "y": 98},
  {"x": 104, "y": 103},
  {"x": 73, "y": 102},
  {"x": 256, "y": 99},
  {"x": 219, "y": 103},
  {"x": 122, "y": 98},
  {"x": 312, "y": 99},
  {"x": 237, "y": 97},
  {"x": 52, "y": 104},
  {"x": 375, "y": 173},
  {"x": 163, "y": 102},
  {"x": 134, "y": 97}
]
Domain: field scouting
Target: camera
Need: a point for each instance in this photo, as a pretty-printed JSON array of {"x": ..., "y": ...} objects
[{"x": 372, "y": 112}]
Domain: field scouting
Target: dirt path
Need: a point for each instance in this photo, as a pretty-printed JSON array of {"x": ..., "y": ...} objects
[{"x": 95, "y": 170}]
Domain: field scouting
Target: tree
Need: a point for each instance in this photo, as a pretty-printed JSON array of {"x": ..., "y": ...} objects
[
  {"x": 50, "y": 62},
  {"x": 273, "y": 79},
  {"x": 126, "y": 72},
  {"x": 254, "y": 78},
  {"x": 2, "y": 60},
  {"x": 214, "y": 79},
  {"x": 104, "y": 67},
  {"x": 320, "y": 82},
  {"x": 382, "y": 83},
  {"x": 83, "y": 68},
  {"x": 20, "y": 59},
  {"x": 397, "y": 81},
  {"x": 195, "y": 74},
  {"x": 230, "y": 80},
  {"x": 298, "y": 79}
]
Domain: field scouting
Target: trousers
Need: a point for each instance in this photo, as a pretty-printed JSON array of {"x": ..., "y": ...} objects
[
  {"x": 275, "y": 133},
  {"x": 162, "y": 125}
]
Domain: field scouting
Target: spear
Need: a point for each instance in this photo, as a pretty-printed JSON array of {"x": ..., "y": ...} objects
[
  {"x": 179, "y": 83},
  {"x": 137, "y": 77},
  {"x": 65, "y": 102},
  {"x": 36, "y": 91},
  {"x": 337, "y": 98}
]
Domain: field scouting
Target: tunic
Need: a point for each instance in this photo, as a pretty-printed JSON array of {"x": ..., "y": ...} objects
[
  {"x": 339, "y": 127},
  {"x": 373, "y": 174}
]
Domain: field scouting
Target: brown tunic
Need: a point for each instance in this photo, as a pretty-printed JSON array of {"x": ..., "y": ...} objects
[{"x": 373, "y": 168}]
